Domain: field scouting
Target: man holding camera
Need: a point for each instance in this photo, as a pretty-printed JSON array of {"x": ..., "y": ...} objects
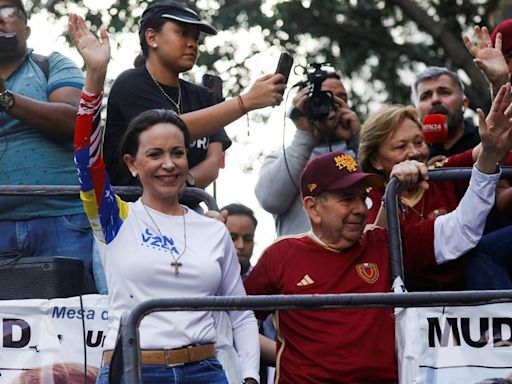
[
  {"x": 39, "y": 98},
  {"x": 324, "y": 124}
]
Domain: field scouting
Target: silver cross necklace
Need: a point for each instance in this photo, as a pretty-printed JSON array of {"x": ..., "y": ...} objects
[
  {"x": 176, "y": 260},
  {"x": 176, "y": 104}
]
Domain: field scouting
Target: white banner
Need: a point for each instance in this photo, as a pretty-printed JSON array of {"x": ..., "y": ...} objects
[
  {"x": 44, "y": 340},
  {"x": 456, "y": 345}
]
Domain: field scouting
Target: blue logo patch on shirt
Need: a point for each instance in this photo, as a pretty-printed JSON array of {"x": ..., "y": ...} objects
[{"x": 156, "y": 241}]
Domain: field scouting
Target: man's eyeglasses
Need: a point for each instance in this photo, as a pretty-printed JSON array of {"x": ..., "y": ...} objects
[{"x": 9, "y": 13}]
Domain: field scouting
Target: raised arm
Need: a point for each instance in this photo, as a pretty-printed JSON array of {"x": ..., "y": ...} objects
[
  {"x": 460, "y": 230},
  {"x": 265, "y": 92},
  {"x": 105, "y": 211},
  {"x": 488, "y": 58},
  {"x": 495, "y": 131},
  {"x": 94, "y": 51}
]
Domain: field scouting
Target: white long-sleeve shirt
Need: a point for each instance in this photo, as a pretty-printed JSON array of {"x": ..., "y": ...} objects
[{"x": 459, "y": 231}]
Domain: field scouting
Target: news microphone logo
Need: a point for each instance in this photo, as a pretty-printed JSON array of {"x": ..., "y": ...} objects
[{"x": 435, "y": 128}]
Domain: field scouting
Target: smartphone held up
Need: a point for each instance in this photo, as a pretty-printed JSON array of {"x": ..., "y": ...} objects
[
  {"x": 284, "y": 66},
  {"x": 214, "y": 84}
]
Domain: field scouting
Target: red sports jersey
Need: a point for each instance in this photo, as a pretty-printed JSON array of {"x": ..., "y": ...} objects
[
  {"x": 441, "y": 197},
  {"x": 465, "y": 159},
  {"x": 337, "y": 345}
]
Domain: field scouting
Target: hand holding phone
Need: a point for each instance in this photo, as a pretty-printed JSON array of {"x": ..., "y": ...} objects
[{"x": 284, "y": 66}]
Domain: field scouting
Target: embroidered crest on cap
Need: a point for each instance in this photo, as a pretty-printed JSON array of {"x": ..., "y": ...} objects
[
  {"x": 369, "y": 272},
  {"x": 347, "y": 162},
  {"x": 312, "y": 187}
]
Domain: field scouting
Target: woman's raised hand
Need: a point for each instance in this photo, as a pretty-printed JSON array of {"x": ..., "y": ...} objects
[
  {"x": 495, "y": 131},
  {"x": 94, "y": 51},
  {"x": 487, "y": 57}
]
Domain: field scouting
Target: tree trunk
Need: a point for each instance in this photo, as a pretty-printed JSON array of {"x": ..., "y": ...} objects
[{"x": 478, "y": 91}]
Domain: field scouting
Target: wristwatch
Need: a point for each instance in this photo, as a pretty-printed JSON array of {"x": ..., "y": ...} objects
[{"x": 6, "y": 100}]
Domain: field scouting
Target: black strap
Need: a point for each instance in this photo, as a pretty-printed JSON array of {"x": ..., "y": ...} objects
[{"x": 42, "y": 62}]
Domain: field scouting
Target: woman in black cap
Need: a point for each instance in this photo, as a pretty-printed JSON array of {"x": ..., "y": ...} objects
[{"x": 169, "y": 38}]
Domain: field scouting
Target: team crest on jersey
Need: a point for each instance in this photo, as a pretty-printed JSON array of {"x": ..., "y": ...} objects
[
  {"x": 369, "y": 272},
  {"x": 437, "y": 212}
]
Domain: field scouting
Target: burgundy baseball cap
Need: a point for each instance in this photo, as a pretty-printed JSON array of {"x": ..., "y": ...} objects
[
  {"x": 334, "y": 170},
  {"x": 505, "y": 27}
]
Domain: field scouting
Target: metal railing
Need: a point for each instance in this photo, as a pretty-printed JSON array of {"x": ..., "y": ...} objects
[
  {"x": 130, "y": 321},
  {"x": 129, "y": 335},
  {"x": 191, "y": 192},
  {"x": 392, "y": 211}
]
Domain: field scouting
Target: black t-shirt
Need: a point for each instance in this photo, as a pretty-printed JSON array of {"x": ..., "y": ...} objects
[
  {"x": 134, "y": 92},
  {"x": 469, "y": 139}
]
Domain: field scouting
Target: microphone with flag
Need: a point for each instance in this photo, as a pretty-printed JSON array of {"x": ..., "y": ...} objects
[{"x": 435, "y": 128}]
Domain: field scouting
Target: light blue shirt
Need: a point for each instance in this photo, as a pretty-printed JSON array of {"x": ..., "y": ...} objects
[{"x": 27, "y": 155}]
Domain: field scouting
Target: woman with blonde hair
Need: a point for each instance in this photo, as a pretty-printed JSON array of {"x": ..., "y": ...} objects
[{"x": 393, "y": 135}]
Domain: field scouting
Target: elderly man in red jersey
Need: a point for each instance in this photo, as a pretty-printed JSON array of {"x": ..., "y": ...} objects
[{"x": 358, "y": 345}]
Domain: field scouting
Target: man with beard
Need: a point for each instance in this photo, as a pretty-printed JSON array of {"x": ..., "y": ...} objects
[
  {"x": 277, "y": 189},
  {"x": 439, "y": 90}
]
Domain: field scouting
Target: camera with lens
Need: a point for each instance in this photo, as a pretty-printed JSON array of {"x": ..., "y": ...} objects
[{"x": 320, "y": 103}]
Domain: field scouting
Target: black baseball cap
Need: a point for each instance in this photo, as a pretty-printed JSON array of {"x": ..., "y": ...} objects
[{"x": 174, "y": 11}]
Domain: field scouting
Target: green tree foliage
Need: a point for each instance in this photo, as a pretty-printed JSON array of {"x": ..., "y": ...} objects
[{"x": 377, "y": 44}]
